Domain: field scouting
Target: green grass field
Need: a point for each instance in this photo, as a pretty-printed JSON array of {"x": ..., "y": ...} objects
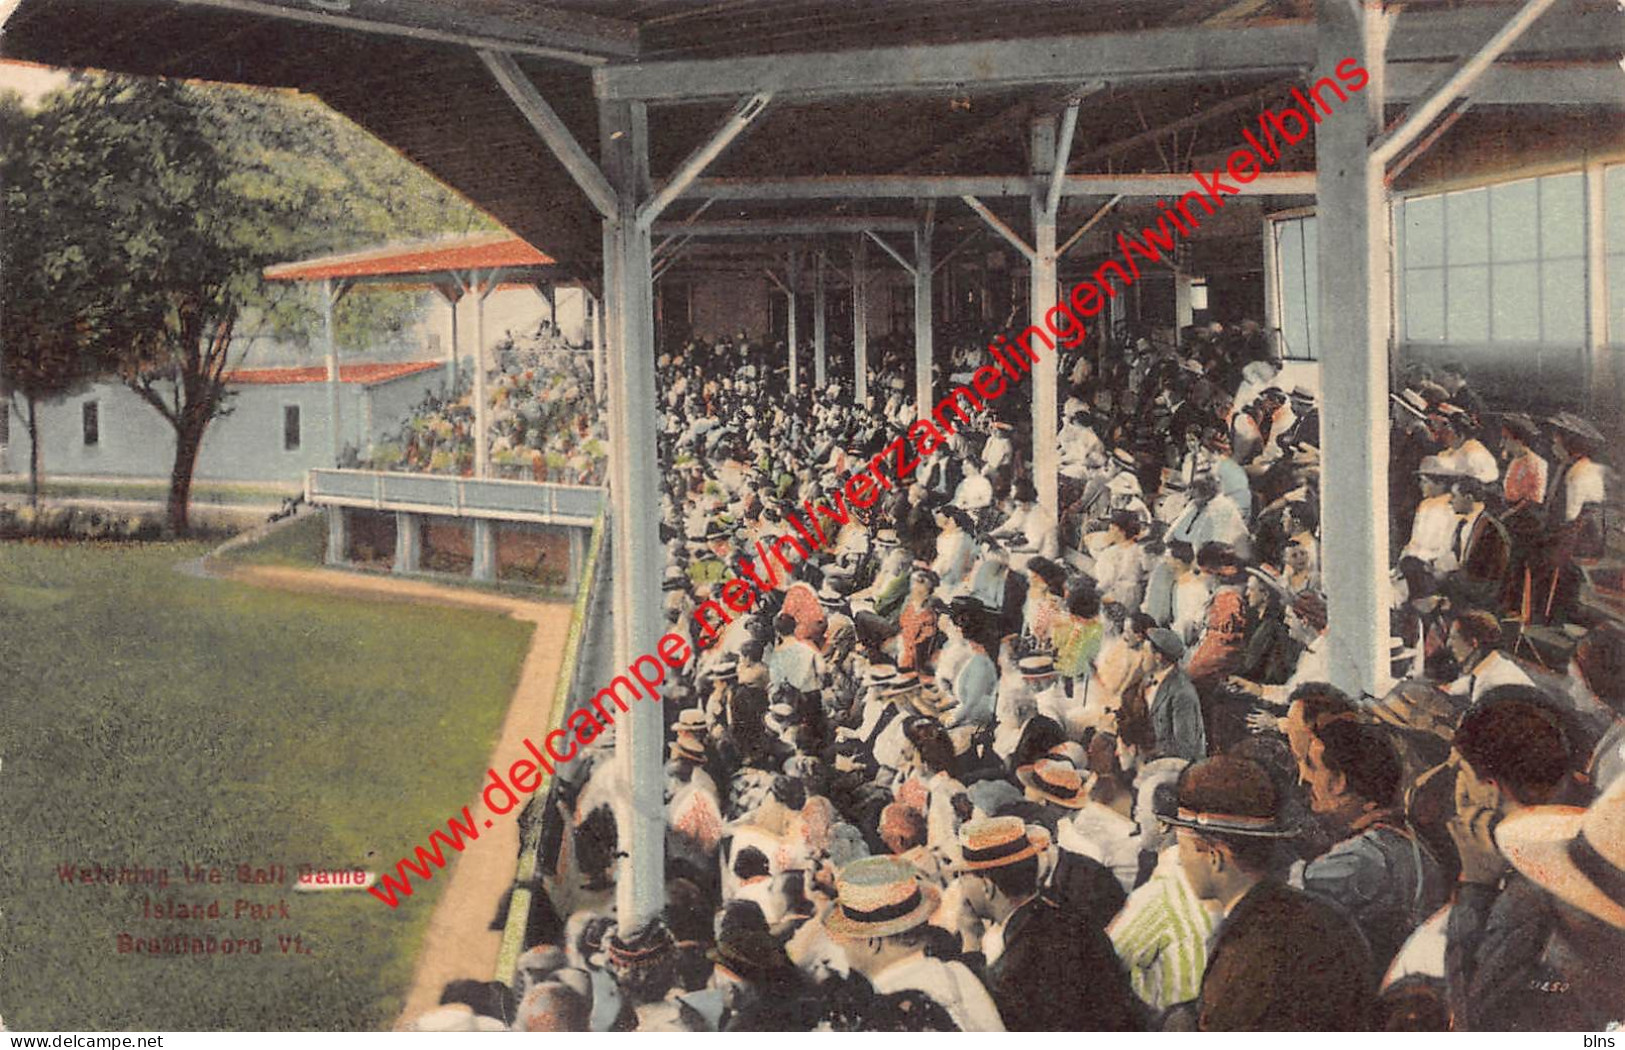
[
  {"x": 153, "y": 719},
  {"x": 203, "y": 492}
]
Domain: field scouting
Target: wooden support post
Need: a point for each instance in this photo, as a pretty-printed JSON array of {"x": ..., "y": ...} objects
[
  {"x": 922, "y": 315},
  {"x": 860, "y": 320},
  {"x": 1354, "y": 317},
  {"x": 1041, "y": 299},
  {"x": 818, "y": 323},
  {"x": 638, "y": 555}
]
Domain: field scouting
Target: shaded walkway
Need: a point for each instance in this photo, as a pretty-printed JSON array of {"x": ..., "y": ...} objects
[{"x": 458, "y": 942}]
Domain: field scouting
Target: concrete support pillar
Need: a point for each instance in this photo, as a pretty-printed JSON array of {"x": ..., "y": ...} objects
[
  {"x": 1041, "y": 299},
  {"x": 408, "y": 543},
  {"x": 818, "y": 323},
  {"x": 485, "y": 550},
  {"x": 1183, "y": 313},
  {"x": 1352, "y": 207},
  {"x": 638, "y": 557},
  {"x": 860, "y": 321},
  {"x": 330, "y": 341},
  {"x": 338, "y": 536},
  {"x": 578, "y": 555},
  {"x": 922, "y": 318}
]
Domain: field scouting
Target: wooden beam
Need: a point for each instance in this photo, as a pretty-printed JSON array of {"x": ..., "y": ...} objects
[
  {"x": 1600, "y": 83},
  {"x": 737, "y": 122},
  {"x": 553, "y": 131},
  {"x": 1427, "y": 109},
  {"x": 787, "y": 227},
  {"x": 893, "y": 252},
  {"x": 1155, "y": 56},
  {"x": 999, "y": 226},
  {"x": 899, "y": 187},
  {"x": 532, "y": 30},
  {"x": 1089, "y": 224},
  {"x": 1116, "y": 57}
]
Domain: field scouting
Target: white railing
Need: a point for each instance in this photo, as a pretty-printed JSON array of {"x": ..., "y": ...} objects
[{"x": 455, "y": 497}]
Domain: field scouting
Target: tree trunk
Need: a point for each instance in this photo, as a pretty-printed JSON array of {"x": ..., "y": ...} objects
[
  {"x": 36, "y": 457},
  {"x": 188, "y": 440}
]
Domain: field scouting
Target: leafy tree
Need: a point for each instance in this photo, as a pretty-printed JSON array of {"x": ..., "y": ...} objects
[
  {"x": 159, "y": 203},
  {"x": 41, "y": 352}
]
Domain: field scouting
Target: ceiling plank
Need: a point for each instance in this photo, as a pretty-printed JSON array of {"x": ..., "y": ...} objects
[{"x": 579, "y": 38}]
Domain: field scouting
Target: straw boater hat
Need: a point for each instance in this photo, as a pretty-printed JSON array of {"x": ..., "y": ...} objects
[
  {"x": 1059, "y": 783},
  {"x": 1227, "y": 795},
  {"x": 880, "y": 897},
  {"x": 688, "y": 746},
  {"x": 829, "y": 597},
  {"x": 886, "y": 538},
  {"x": 1433, "y": 466},
  {"x": 1039, "y": 666},
  {"x": 1417, "y": 706},
  {"x": 997, "y": 842},
  {"x": 1576, "y": 854},
  {"x": 692, "y": 720}
]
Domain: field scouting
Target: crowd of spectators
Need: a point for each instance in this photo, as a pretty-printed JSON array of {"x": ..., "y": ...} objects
[
  {"x": 544, "y": 425},
  {"x": 974, "y": 765}
]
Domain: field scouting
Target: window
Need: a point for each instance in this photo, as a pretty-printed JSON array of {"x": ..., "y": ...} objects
[
  {"x": 90, "y": 416},
  {"x": 1613, "y": 239},
  {"x": 290, "y": 428},
  {"x": 1297, "y": 276},
  {"x": 1496, "y": 264}
]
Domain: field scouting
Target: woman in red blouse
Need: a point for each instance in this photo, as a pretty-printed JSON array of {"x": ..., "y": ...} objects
[
  {"x": 918, "y": 622},
  {"x": 1220, "y": 649}
]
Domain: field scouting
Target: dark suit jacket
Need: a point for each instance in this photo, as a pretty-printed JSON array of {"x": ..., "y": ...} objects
[
  {"x": 1286, "y": 961},
  {"x": 1059, "y": 973},
  {"x": 1176, "y": 718}
]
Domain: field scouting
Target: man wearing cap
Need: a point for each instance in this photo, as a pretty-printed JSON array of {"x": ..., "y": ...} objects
[
  {"x": 1048, "y": 968},
  {"x": 1176, "y": 710},
  {"x": 879, "y": 916},
  {"x": 1282, "y": 960},
  {"x": 1435, "y": 523}
]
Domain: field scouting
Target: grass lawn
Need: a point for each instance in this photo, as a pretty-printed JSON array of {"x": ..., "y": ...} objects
[
  {"x": 152, "y": 720},
  {"x": 203, "y": 492},
  {"x": 299, "y": 544}
]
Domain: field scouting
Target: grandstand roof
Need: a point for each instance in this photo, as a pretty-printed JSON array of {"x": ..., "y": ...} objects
[
  {"x": 428, "y": 259},
  {"x": 364, "y": 375}
]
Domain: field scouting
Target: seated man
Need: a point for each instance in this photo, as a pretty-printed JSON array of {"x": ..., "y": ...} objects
[{"x": 1283, "y": 960}]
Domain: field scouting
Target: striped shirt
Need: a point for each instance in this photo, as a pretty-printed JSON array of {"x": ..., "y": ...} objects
[{"x": 1162, "y": 935}]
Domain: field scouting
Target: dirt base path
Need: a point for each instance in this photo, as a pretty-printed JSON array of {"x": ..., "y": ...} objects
[{"x": 459, "y": 943}]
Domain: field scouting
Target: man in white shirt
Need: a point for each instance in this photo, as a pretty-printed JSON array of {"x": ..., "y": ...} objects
[
  {"x": 975, "y": 493},
  {"x": 1475, "y": 640},
  {"x": 879, "y": 916},
  {"x": 1435, "y": 524}
]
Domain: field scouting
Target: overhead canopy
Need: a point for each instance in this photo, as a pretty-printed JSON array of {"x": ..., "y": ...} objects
[
  {"x": 428, "y": 261},
  {"x": 413, "y": 76}
]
